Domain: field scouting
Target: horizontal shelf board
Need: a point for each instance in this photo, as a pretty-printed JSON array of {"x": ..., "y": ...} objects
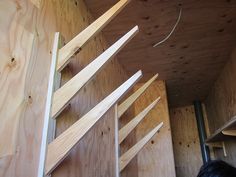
[{"x": 219, "y": 136}]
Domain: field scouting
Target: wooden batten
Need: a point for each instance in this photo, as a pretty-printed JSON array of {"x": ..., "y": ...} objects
[
  {"x": 47, "y": 113},
  {"x": 124, "y": 132},
  {"x": 63, "y": 95},
  {"x": 130, "y": 100},
  {"x": 77, "y": 43},
  {"x": 61, "y": 146},
  {"x": 132, "y": 152}
]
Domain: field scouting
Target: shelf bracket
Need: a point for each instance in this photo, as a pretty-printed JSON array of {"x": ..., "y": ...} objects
[{"x": 218, "y": 145}]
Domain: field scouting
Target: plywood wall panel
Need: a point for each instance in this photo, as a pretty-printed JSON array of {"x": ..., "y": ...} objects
[
  {"x": 129, "y": 141},
  {"x": 221, "y": 105},
  {"x": 91, "y": 157},
  {"x": 31, "y": 61},
  {"x": 156, "y": 159},
  {"x": 95, "y": 153},
  {"x": 187, "y": 152}
]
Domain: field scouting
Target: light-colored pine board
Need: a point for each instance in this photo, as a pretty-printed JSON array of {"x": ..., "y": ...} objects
[
  {"x": 132, "y": 152},
  {"x": 37, "y": 3},
  {"x": 14, "y": 63},
  {"x": 57, "y": 85},
  {"x": 117, "y": 142},
  {"x": 130, "y": 100},
  {"x": 63, "y": 95},
  {"x": 47, "y": 115},
  {"x": 124, "y": 132},
  {"x": 229, "y": 132},
  {"x": 61, "y": 146},
  {"x": 82, "y": 38},
  {"x": 164, "y": 165}
]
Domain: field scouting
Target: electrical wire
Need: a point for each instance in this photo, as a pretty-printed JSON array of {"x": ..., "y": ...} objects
[{"x": 168, "y": 36}]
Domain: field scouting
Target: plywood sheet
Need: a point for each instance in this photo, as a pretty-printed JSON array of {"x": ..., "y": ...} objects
[
  {"x": 187, "y": 152},
  {"x": 21, "y": 20},
  {"x": 192, "y": 58},
  {"x": 157, "y": 158},
  {"x": 221, "y": 106},
  {"x": 15, "y": 66}
]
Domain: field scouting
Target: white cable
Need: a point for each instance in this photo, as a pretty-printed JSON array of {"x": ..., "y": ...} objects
[{"x": 167, "y": 37}]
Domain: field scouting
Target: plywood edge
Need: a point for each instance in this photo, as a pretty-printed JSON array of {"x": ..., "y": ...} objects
[
  {"x": 132, "y": 152},
  {"x": 61, "y": 146},
  {"x": 76, "y": 44},
  {"x": 63, "y": 95},
  {"x": 130, "y": 100},
  {"x": 124, "y": 132}
]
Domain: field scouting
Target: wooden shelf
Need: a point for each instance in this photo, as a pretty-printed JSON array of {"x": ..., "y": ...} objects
[{"x": 225, "y": 132}]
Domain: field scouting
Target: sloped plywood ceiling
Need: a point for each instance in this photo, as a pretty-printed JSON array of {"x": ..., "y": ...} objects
[{"x": 192, "y": 58}]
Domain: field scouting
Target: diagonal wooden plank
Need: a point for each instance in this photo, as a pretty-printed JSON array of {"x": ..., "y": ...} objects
[
  {"x": 61, "y": 146},
  {"x": 77, "y": 43},
  {"x": 63, "y": 95},
  {"x": 130, "y": 100},
  {"x": 132, "y": 152},
  {"x": 124, "y": 132}
]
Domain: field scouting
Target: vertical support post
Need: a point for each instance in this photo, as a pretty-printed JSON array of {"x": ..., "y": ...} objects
[
  {"x": 57, "y": 85},
  {"x": 201, "y": 131},
  {"x": 47, "y": 114},
  {"x": 117, "y": 155}
]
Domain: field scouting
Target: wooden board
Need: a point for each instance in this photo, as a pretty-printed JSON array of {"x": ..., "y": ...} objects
[
  {"x": 15, "y": 65},
  {"x": 62, "y": 145},
  {"x": 97, "y": 149},
  {"x": 131, "y": 99},
  {"x": 132, "y": 152},
  {"x": 157, "y": 158},
  {"x": 78, "y": 42},
  {"x": 187, "y": 152},
  {"x": 18, "y": 21},
  {"x": 124, "y": 131},
  {"x": 222, "y": 133},
  {"x": 221, "y": 108},
  {"x": 69, "y": 17},
  {"x": 129, "y": 141},
  {"x": 191, "y": 59},
  {"x": 64, "y": 94}
]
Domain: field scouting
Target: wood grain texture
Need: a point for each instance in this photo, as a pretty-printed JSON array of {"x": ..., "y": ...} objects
[
  {"x": 124, "y": 131},
  {"x": 77, "y": 43},
  {"x": 15, "y": 64},
  {"x": 218, "y": 135},
  {"x": 187, "y": 152},
  {"x": 229, "y": 132},
  {"x": 129, "y": 141},
  {"x": 132, "y": 152},
  {"x": 97, "y": 149},
  {"x": 131, "y": 99},
  {"x": 37, "y": 3},
  {"x": 64, "y": 94},
  {"x": 191, "y": 60},
  {"x": 221, "y": 106},
  {"x": 48, "y": 106},
  {"x": 157, "y": 158},
  {"x": 31, "y": 84},
  {"x": 69, "y": 17},
  {"x": 62, "y": 145}
]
